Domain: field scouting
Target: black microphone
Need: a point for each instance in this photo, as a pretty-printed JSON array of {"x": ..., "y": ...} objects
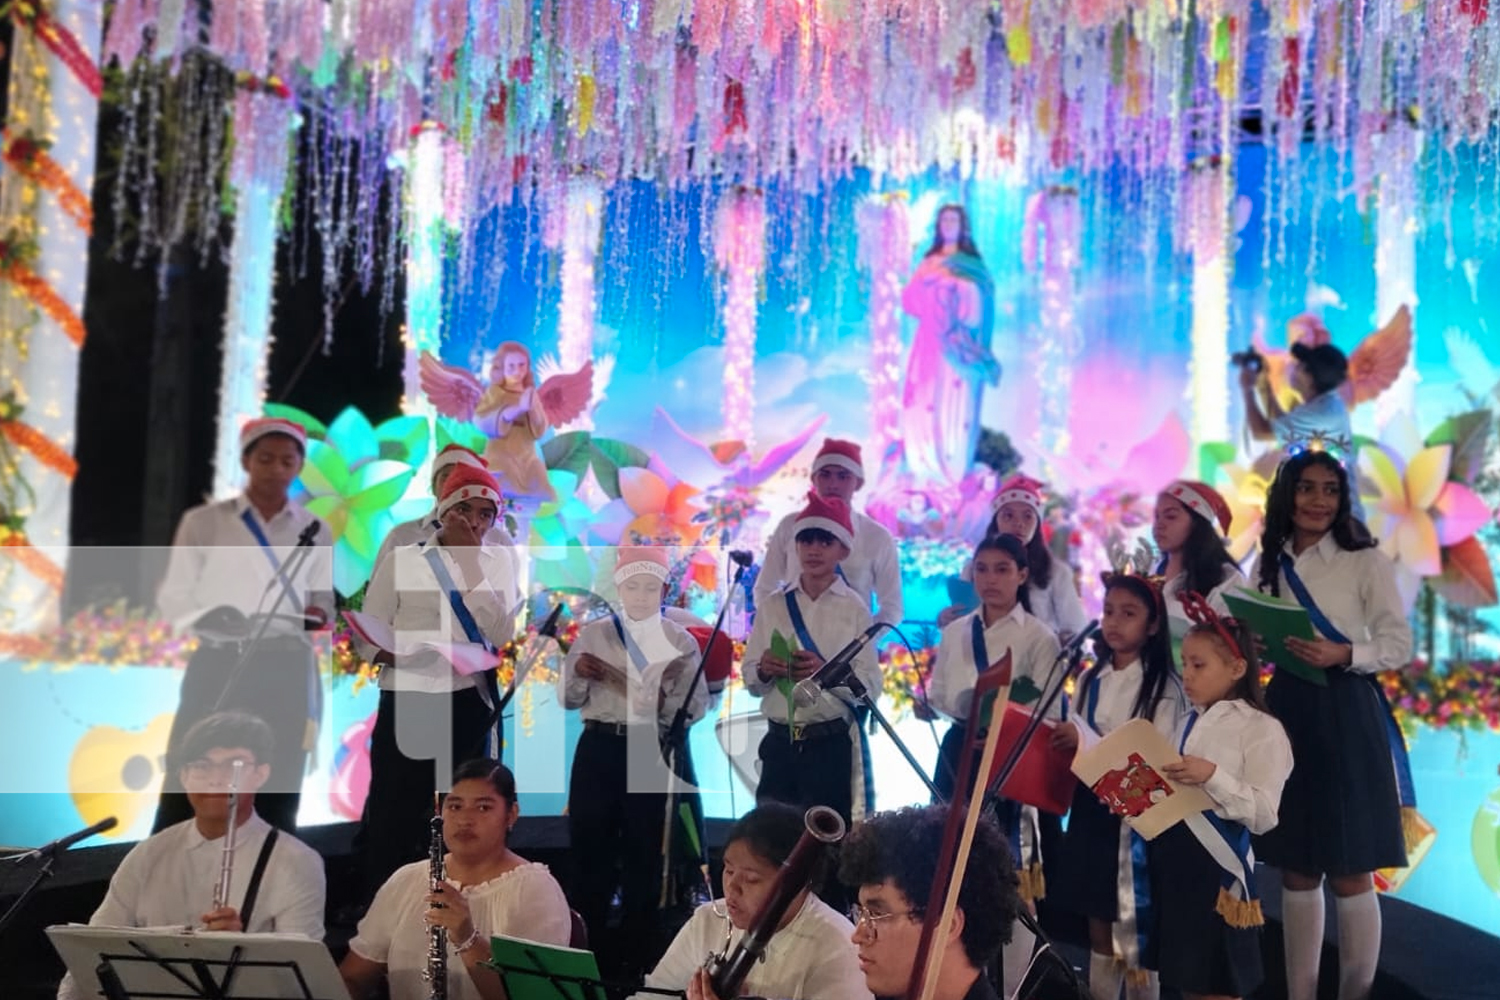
[
  {"x": 835, "y": 672},
  {"x": 63, "y": 843},
  {"x": 549, "y": 627},
  {"x": 309, "y": 533},
  {"x": 742, "y": 557}
]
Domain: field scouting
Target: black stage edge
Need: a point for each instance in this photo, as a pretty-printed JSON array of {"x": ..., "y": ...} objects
[{"x": 1424, "y": 955}]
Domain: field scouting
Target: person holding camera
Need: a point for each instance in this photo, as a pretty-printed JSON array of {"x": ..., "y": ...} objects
[{"x": 1316, "y": 375}]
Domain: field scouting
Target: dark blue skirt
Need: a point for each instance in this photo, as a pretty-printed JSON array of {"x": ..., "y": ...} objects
[
  {"x": 1191, "y": 946},
  {"x": 1089, "y": 863},
  {"x": 1340, "y": 812}
]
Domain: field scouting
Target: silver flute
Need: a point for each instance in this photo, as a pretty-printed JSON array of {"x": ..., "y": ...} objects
[
  {"x": 436, "y": 973},
  {"x": 226, "y": 858}
]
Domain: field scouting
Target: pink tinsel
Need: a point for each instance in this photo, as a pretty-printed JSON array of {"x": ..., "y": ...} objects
[{"x": 125, "y": 36}]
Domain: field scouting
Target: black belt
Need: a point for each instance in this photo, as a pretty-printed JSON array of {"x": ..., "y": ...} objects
[
  {"x": 809, "y": 731},
  {"x": 615, "y": 728}
]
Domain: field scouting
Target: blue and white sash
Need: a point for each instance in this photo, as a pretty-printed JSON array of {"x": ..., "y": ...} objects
[
  {"x": 1228, "y": 843},
  {"x": 1405, "y": 787},
  {"x": 259, "y": 535},
  {"x": 489, "y": 685}
]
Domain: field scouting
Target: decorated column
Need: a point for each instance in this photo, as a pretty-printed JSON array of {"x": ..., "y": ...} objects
[
  {"x": 1205, "y": 237},
  {"x": 1050, "y": 247},
  {"x": 576, "y": 225},
  {"x": 45, "y": 220},
  {"x": 885, "y": 252},
  {"x": 1399, "y": 151},
  {"x": 740, "y": 249},
  {"x": 264, "y": 123},
  {"x": 424, "y": 268}
]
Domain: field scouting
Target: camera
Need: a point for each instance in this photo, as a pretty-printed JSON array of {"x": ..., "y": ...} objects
[{"x": 1249, "y": 358}]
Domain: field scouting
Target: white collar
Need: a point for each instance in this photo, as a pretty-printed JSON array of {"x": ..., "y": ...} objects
[
  {"x": 242, "y": 503},
  {"x": 1016, "y": 614},
  {"x": 1326, "y": 547},
  {"x": 251, "y": 826},
  {"x": 635, "y": 627},
  {"x": 838, "y": 586}
]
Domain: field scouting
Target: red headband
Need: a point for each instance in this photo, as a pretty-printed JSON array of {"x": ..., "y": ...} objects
[
  {"x": 1155, "y": 584},
  {"x": 1200, "y": 612}
]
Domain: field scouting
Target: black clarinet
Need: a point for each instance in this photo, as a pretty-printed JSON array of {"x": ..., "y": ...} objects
[{"x": 436, "y": 973}]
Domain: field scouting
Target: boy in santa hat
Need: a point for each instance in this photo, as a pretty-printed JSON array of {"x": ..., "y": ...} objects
[
  {"x": 808, "y": 754},
  {"x": 232, "y": 554},
  {"x": 872, "y": 568},
  {"x": 422, "y": 528},
  {"x": 627, "y": 674},
  {"x": 453, "y": 589}
]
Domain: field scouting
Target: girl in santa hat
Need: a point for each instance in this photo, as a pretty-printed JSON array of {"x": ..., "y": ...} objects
[{"x": 1188, "y": 527}]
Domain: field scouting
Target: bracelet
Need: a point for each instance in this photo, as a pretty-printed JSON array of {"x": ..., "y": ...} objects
[{"x": 469, "y": 941}]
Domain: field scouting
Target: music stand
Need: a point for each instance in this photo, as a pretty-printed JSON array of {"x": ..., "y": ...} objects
[
  {"x": 135, "y": 963},
  {"x": 534, "y": 971}
]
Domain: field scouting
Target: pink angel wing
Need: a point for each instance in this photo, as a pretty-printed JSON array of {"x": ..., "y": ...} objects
[
  {"x": 771, "y": 462},
  {"x": 1377, "y": 362},
  {"x": 454, "y": 391},
  {"x": 566, "y": 396}
]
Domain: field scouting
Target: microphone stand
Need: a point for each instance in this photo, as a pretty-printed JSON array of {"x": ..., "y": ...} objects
[
  {"x": 287, "y": 573},
  {"x": 549, "y": 631},
  {"x": 862, "y": 693},
  {"x": 48, "y": 856},
  {"x": 675, "y": 741}
]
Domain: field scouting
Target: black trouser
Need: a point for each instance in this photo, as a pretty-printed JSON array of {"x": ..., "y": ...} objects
[
  {"x": 616, "y": 840},
  {"x": 407, "y": 748},
  {"x": 277, "y": 682},
  {"x": 817, "y": 770}
]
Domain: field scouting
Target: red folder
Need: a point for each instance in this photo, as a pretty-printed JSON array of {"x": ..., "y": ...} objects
[{"x": 1044, "y": 776}]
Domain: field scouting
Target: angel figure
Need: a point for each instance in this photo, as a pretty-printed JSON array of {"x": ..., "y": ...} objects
[{"x": 512, "y": 411}]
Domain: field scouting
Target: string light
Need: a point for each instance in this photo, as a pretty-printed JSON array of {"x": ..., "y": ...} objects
[
  {"x": 424, "y": 270},
  {"x": 1396, "y": 251},
  {"x": 885, "y": 251},
  {"x": 740, "y": 249},
  {"x": 264, "y": 122},
  {"x": 1207, "y": 221},
  {"x": 581, "y": 220}
]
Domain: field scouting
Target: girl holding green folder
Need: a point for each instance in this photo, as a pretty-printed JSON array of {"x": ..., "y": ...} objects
[{"x": 1341, "y": 809}]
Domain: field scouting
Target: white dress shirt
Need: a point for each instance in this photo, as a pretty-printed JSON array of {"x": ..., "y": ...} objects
[
  {"x": 421, "y": 529},
  {"x": 1058, "y": 605},
  {"x": 405, "y": 593},
  {"x": 1033, "y": 649},
  {"x": 525, "y": 902},
  {"x": 671, "y": 655},
  {"x": 1252, "y": 760},
  {"x": 168, "y": 880},
  {"x": 1357, "y": 592},
  {"x": 873, "y": 567},
  {"x": 1232, "y": 579},
  {"x": 811, "y": 958},
  {"x": 1114, "y": 705},
  {"x": 215, "y": 561},
  {"x": 834, "y": 619}
]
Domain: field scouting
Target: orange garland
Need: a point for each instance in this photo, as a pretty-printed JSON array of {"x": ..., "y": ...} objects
[
  {"x": 18, "y": 548},
  {"x": 47, "y": 300},
  {"x": 50, "y": 454},
  {"x": 29, "y": 159}
]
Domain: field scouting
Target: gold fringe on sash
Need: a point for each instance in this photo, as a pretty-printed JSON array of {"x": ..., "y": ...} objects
[
  {"x": 1032, "y": 885},
  {"x": 1241, "y": 913},
  {"x": 1415, "y": 829},
  {"x": 1137, "y": 977}
]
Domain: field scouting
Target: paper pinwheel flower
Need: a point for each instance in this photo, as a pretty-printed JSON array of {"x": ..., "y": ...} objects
[
  {"x": 654, "y": 508},
  {"x": 1412, "y": 504}
]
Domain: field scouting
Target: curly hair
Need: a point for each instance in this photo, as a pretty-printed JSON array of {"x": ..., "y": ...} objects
[
  {"x": 903, "y": 846},
  {"x": 1281, "y": 500}
]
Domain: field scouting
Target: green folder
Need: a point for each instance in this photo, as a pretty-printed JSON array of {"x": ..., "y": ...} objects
[
  {"x": 514, "y": 958},
  {"x": 1274, "y": 619}
]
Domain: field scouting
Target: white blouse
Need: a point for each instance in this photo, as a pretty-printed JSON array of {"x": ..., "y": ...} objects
[
  {"x": 525, "y": 902},
  {"x": 1232, "y": 579},
  {"x": 811, "y": 958},
  {"x": 663, "y": 643},
  {"x": 1114, "y": 704},
  {"x": 1033, "y": 650},
  {"x": 1058, "y": 604},
  {"x": 1252, "y": 759},
  {"x": 1357, "y": 592}
]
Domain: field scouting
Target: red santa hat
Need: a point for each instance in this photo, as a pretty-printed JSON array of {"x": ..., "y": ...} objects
[
  {"x": 263, "y": 426},
  {"x": 457, "y": 454},
  {"x": 466, "y": 482},
  {"x": 829, "y": 513},
  {"x": 1203, "y": 500},
  {"x": 634, "y": 560},
  {"x": 844, "y": 454},
  {"x": 1020, "y": 489}
]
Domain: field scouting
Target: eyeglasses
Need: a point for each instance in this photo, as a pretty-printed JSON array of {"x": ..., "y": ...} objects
[
  {"x": 861, "y": 916},
  {"x": 208, "y": 770}
]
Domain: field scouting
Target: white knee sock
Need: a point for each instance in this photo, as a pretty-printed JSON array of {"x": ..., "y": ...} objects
[
  {"x": 1359, "y": 944},
  {"x": 1104, "y": 976},
  {"x": 1302, "y": 938},
  {"x": 1016, "y": 956},
  {"x": 1149, "y": 990}
]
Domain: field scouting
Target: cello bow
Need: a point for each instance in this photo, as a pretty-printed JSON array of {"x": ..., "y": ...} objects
[{"x": 958, "y": 829}]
